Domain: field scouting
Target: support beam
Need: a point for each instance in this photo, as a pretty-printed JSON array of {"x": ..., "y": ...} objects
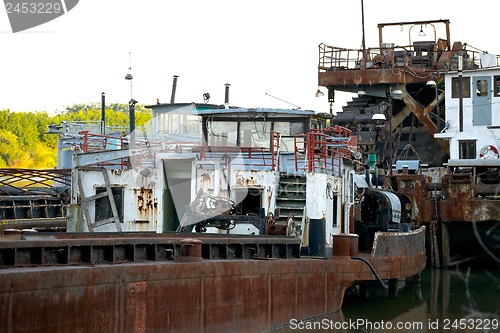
[{"x": 423, "y": 115}]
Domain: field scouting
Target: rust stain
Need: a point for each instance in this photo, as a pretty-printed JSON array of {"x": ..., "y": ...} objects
[
  {"x": 205, "y": 180},
  {"x": 146, "y": 204},
  {"x": 137, "y": 299}
]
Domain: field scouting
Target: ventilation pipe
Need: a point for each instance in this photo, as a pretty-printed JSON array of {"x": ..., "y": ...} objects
[
  {"x": 226, "y": 96},
  {"x": 174, "y": 86},
  {"x": 131, "y": 107},
  {"x": 103, "y": 113}
]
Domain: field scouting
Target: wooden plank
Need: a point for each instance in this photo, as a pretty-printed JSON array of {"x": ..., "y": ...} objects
[
  {"x": 97, "y": 196},
  {"x": 111, "y": 200},
  {"x": 84, "y": 202},
  {"x": 103, "y": 222}
]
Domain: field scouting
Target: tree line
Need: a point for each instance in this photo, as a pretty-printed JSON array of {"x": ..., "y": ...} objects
[{"x": 26, "y": 143}]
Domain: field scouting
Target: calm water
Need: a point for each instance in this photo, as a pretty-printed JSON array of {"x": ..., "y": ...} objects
[{"x": 455, "y": 300}]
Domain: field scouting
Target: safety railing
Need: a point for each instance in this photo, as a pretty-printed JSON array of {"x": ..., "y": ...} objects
[
  {"x": 239, "y": 157},
  {"x": 97, "y": 142},
  {"x": 320, "y": 152},
  {"x": 145, "y": 151},
  {"x": 425, "y": 55}
]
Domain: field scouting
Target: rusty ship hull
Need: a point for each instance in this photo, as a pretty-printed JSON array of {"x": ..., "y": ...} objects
[{"x": 127, "y": 283}]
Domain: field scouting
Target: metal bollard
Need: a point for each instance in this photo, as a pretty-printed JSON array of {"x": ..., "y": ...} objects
[{"x": 190, "y": 251}]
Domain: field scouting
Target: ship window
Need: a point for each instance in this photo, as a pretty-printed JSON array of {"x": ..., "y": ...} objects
[
  {"x": 482, "y": 88},
  {"x": 103, "y": 206},
  {"x": 467, "y": 149},
  {"x": 160, "y": 123},
  {"x": 173, "y": 123},
  {"x": 255, "y": 134},
  {"x": 455, "y": 85},
  {"x": 497, "y": 85},
  {"x": 222, "y": 133},
  {"x": 178, "y": 123},
  {"x": 287, "y": 128},
  {"x": 191, "y": 124}
]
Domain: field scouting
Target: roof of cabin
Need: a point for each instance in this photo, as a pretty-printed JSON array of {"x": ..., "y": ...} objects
[
  {"x": 254, "y": 110},
  {"x": 211, "y": 109}
]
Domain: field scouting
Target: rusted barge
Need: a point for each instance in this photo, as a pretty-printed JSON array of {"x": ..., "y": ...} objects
[
  {"x": 223, "y": 218},
  {"x": 429, "y": 107},
  {"x": 158, "y": 283}
]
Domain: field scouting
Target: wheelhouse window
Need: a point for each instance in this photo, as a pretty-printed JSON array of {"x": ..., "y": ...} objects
[
  {"x": 103, "y": 209},
  {"x": 496, "y": 80},
  {"x": 455, "y": 87},
  {"x": 467, "y": 149},
  {"x": 255, "y": 134},
  {"x": 287, "y": 130},
  {"x": 246, "y": 132},
  {"x": 222, "y": 133},
  {"x": 178, "y": 123}
]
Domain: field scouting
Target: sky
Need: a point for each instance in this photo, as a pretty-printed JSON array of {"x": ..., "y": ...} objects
[{"x": 262, "y": 48}]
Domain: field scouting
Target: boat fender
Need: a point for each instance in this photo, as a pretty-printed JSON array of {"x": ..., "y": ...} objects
[{"x": 488, "y": 151}]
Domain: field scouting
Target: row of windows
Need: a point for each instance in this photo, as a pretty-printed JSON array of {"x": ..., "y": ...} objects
[
  {"x": 252, "y": 133},
  {"x": 481, "y": 87}
]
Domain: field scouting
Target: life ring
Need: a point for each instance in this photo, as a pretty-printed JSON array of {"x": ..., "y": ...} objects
[{"x": 488, "y": 151}]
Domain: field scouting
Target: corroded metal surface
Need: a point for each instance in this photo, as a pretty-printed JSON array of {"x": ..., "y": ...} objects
[
  {"x": 351, "y": 78},
  {"x": 83, "y": 249},
  {"x": 477, "y": 202},
  {"x": 233, "y": 296},
  {"x": 211, "y": 295},
  {"x": 419, "y": 190},
  {"x": 405, "y": 244}
]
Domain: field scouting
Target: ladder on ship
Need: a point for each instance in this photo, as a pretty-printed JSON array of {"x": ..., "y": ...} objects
[
  {"x": 291, "y": 199},
  {"x": 85, "y": 201}
]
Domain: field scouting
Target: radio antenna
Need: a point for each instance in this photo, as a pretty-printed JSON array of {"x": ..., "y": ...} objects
[
  {"x": 129, "y": 76},
  {"x": 279, "y": 99}
]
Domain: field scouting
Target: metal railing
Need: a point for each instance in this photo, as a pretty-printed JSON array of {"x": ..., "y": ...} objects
[
  {"x": 421, "y": 55},
  {"x": 260, "y": 157},
  {"x": 319, "y": 152}
]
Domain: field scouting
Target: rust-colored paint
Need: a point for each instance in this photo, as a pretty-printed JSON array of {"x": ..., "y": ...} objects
[
  {"x": 352, "y": 78},
  {"x": 455, "y": 190},
  {"x": 419, "y": 190},
  {"x": 233, "y": 295},
  {"x": 461, "y": 192}
]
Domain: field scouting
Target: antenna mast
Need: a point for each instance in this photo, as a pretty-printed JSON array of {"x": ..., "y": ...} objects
[
  {"x": 279, "y": 99},
  {"x": 129, "y": 76}
]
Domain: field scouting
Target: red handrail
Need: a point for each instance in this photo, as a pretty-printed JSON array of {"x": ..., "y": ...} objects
[{"x": 323, "y": 152}]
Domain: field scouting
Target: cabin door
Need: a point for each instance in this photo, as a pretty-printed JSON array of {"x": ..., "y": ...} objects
[
  {"x": 481, "y": 101},
  {"x": 177, "y": 191}
]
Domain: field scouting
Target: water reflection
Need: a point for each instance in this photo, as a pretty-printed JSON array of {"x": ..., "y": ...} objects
[{"x": 455, "y": 300}]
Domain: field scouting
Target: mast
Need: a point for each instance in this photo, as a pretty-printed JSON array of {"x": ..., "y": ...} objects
[{"x": 363, "y": 45}]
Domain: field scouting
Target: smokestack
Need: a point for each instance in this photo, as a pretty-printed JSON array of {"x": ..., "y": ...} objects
[
  {"x": 103, "y": 113},
  {"x": 226, "y": 97},
  {"x": 174, "y": 86},
  {"x": 131, "y": 109}
]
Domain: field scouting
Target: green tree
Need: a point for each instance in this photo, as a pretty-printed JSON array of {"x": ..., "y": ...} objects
[{"x": 25, "y": 142}]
